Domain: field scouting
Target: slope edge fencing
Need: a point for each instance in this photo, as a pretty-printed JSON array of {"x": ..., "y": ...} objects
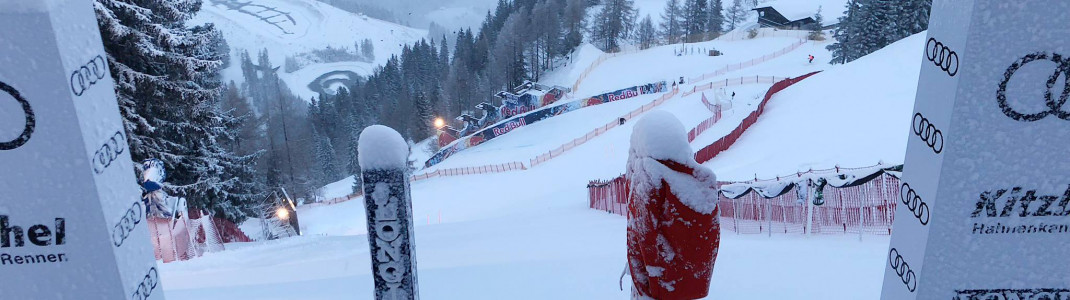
[
  {"x": 835, "y": 201},
  {"x": 859, "y": 200}
]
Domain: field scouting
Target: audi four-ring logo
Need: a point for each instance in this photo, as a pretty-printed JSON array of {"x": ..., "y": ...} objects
[
  {"x": 901, "y": 268},
  {"x": 87, "y": 75},
  {"x": 928, "y": 133},
  {"x": 942, "y": 56},
  {"x": 109, "y": 152},
  {"x": 1055, "y": 105},
  {"x": 31, "y": 122},
  {"x": 913, "y": 202},
  {"x": 147, "y": 285},
  {"x": 126, "y": 225}
]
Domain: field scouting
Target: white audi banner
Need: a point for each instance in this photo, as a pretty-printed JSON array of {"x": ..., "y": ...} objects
[
  {"x": 985, "y": 205},
  {"x": 72, "y": 225}
]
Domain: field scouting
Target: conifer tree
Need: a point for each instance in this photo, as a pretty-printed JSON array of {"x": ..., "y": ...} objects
[
  {"x": 696, "y": 18},
  {"x": 614, "y": 24},
  {"x": 672, "y": 22},
  {"x": 647, "y": 34},
  {"x": 170, "y": 96},
  {"x": 716, "y": 22}
]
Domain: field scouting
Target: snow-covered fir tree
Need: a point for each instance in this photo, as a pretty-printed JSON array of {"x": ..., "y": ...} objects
[
  {"x": 326, "y": 171},
  {"x": 736, "y": 14},
  {"x": 574, "y": 22},
  {"x": 696, "y": 18},
  {"x": 715, "y": 26},
  {"x": 672, "y": 28},
  {"x": 869, "y": 25},
  {"x": 367, "y": 48},
  {"x": 647, "y": 34},
  {"x": 916, "y": 15},
  {"x": 614, "y": 24},
  {"x": 876, "y": 19},
  {"x": 816, "y": 32},
  {"x": 169, "y": 92}
]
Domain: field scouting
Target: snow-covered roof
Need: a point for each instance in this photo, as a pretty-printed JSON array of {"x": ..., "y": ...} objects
[{"x": 798, "y": 9}]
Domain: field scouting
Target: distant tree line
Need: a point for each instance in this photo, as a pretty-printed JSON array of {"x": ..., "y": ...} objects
[{"x": 869, "y": 25}]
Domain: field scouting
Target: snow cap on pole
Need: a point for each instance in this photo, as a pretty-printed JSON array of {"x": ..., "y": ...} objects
[
  {"x": 659, "y": 135},
  {"x": 381, "y": 147}
]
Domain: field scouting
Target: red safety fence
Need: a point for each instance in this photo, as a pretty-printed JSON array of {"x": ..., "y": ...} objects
[
  {"x": 609, "y": 195},
  {"x": 172, "y": 239},
  {"x": 708, "y": 123},
  {"x": 714, "y": 108},
  {"x": 707, "y": 153},
  {"x": 867, "y": 208},
  {"x": 862, "y": 209}
]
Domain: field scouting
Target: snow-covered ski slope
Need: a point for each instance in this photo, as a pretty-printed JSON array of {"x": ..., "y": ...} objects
[
  {"x": 289, "y": 27},
  {"x": 656, "y": 64},
  {"x": 530, "y": 234},
  {"x": 853, "y": 115}
]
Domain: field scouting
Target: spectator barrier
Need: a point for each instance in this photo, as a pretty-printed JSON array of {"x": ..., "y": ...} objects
[
  {"x": 191, "y": 235},
  {"x": 708, "y": 152},
  {"x": 865, "y": 207},
  {"x": 813, "y": 202},
  {"x": 716, "y": 109}
]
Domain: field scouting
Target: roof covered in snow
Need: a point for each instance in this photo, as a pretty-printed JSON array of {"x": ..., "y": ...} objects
[{"x": 798, "y": 9}]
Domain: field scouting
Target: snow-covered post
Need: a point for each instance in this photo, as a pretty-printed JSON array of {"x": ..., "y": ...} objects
[
  {"x": 72, "y": 224},
  {"x": 383, "y": 159},
  {"x": 861, "y": 209},
  {"x": 673, "y": 230},
  {"x": 984, "y": 210},
  {"x": 809, "y": 207}
]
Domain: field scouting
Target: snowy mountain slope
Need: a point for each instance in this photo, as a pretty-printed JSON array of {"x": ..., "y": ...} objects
[
  {"x": 530, "y": 235},
  {"x": 290, "y": 27},
  {"x": 850, "y": 116}
]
